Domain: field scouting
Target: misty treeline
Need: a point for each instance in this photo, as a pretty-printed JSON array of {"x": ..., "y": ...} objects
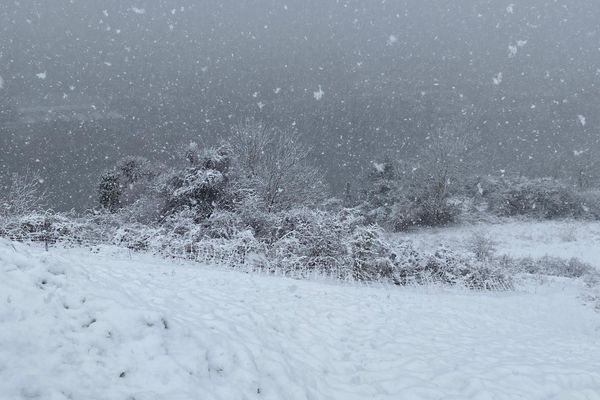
[
  {"x": 267, "y": 170},
  {"x": 256, "y": 201},
  {"x": 359, "y": 78},
  {"x": 259, "y": 168}
]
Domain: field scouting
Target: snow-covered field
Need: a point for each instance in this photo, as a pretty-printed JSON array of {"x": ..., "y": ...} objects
[
  {"x": 564, "y": 239},
  {"x": 109, "y": 325}
]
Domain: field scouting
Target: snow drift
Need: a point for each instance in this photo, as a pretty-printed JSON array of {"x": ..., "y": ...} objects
[{"x": 113, "y": 325}]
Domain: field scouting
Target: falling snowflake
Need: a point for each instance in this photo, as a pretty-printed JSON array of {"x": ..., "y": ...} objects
[
  {"x": 521, "y": 43},
  {"x": 138, "y": 10},
  {"x": 42, "y": 75},
  {"x": 392, "y": 39},
  {"x": 379, "y": 167},
  {"x": 581, "y": 119},
  {"x": 497, "y": 79},
  {"x": 510, "y": 8},
  {"x": 480, "y": 189},
  {"x": 260, "y": 105},
  {"x": 512, "y": 50},
  {"x": 318, "y": 95}
]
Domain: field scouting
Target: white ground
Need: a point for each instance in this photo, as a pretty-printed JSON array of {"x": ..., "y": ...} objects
[
  {"x": 79, "y": 325},
  {"x": 522, "y": 239}
]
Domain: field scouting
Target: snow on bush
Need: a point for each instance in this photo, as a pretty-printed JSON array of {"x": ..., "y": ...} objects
[
  {"x": 371, "y": 255},
  {"x": 21, "y": 195},
  {"x": 51, "y": 228},
  {"x": 539, "y": 198},
  {"x": 559, "y": 267},
  {"x": 551, "y": 266},
  {"x": 298, "y": 243},
  {"x": 310, "y": 240},
  {"x": 591, "y": 203},
  {"x": 448, "y": 267},
  {"x": 482, "y": 246}
]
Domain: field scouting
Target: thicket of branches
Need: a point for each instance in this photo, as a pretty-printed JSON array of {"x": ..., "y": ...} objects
[
  {"x": 256, "y": 200},
  {"x": 22, "y": 194}
]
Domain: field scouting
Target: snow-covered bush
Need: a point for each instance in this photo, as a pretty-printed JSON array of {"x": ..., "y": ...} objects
[
  {"x": 135, "y": 236},
  {"x": 540, "y": 198},
  {"x": 22, "y": 194},
  {"x": 591, "y": 203},
  {"x": 263, "y": 170},
  {"x": 109, "y": 191},
  {"x": 304, "y": 241},
  {"x": 401, "y": 206},
  {"x": 422, "y": 211},
  {"x": 308, "y": 240},
  {"x": 299, "y": 243},
  {"x": 273, "y": 164},
  {"x": 552, "y": 266},
  {"x": 196, "y": 188},
  {"x": 489, "y": 197},
  {"x": 481, "y": 186},
  {"x": 371, "y": 255},
  {"x": 403, "y": 194},
  {"x": 222, "y": 224},
  {"x": 179, "y": 236},
  {"x": 133, "y": 169},
  {"x": 129, "y": 182},
  {"x": 438, "y": 169},
  {"x": 449, "y": 268},
  {"x": 240, "y": 251},
  {"x": 201, "y": 187},
  {"x": 51, "y": 228},
  {"x": 481, "y": 245}
]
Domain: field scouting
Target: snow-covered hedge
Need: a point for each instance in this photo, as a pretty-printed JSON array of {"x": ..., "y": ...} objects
[
  {"x": 450, "y": 268},
  {"x": 551, "y": 266},
  {"x": 538, "y": 198},
  {"x": 52, "y": 228},
  {"x": 298, "y": 243},
  {"x": 591, "y": 203}
]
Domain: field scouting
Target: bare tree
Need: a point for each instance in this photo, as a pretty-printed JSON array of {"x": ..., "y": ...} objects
[
  {"x": 275, "y": 164},
  {"x": 425, "y": 186},
  {"x": 585, "y": 167},
  {"x": 22, "y": 195},
  {"x": 251, "y": 140},
  {"x": 443, "y": 161},
  {"x": 481, "y": 245}
]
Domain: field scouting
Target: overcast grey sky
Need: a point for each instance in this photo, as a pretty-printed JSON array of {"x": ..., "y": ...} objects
[{"x": 357, "y": 78}]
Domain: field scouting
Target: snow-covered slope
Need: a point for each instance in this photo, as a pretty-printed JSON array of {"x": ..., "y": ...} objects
[
  {"x": 564, "y": 239},
  {"x": 80, "y": 325}
]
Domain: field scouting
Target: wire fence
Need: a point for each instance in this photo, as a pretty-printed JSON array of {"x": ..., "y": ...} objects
[{"x": 244, "y": 252}]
